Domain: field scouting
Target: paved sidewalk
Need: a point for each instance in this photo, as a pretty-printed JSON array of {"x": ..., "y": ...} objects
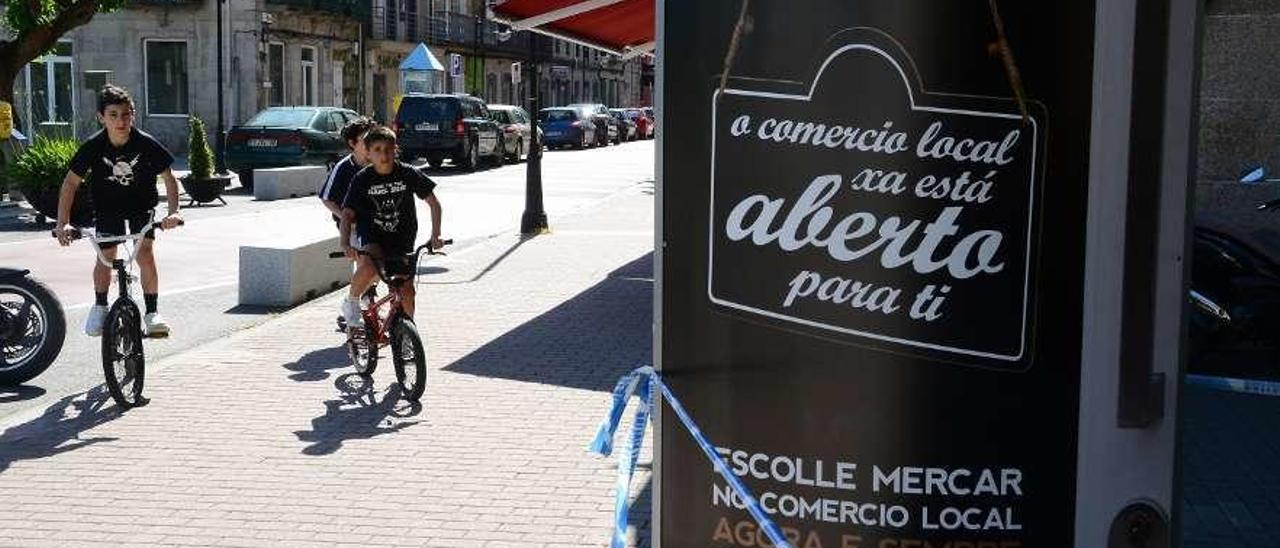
[
  {"x": 267, "y": 438},
  {"x": 1231, "y": 469}
]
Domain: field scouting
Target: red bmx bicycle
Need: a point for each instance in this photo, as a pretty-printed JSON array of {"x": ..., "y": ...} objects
[{"x": 385, "y": 323}]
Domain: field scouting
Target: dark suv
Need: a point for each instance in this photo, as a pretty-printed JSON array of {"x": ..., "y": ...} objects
[
  {"x": 454, "y": 126},
  {"x": 606, "y": 126}
]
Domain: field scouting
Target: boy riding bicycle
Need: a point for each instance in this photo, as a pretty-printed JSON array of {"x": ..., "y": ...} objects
[
  {"x": 121, "y": 164},
  {"x": 380, "y": 205}
]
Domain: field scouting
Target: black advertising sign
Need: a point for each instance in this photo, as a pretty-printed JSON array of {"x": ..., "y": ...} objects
[
  {"x": 872, "y": 272},
  {"x": 871, "y": 209}
]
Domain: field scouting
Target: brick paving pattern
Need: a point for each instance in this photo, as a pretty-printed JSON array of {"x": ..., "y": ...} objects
[
  {"x": 1231, "y": 469},
  {"x": 267, "y": 437}
]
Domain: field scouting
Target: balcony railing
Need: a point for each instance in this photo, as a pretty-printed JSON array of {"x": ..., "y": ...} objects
[
  {"x": 355, "y": 9},
  {"x": 457, "y": 30}
]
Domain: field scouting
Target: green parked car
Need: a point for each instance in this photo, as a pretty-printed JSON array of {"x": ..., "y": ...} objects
[{"x": 287, "y": 136}]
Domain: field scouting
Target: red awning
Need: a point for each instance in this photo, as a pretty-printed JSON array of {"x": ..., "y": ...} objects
[{"x": 625, "y": 27}]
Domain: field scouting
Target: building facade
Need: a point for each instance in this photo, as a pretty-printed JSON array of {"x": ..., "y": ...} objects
[
  {"x": 164, "y": 52},
  {"x": 301, "y": 52}
]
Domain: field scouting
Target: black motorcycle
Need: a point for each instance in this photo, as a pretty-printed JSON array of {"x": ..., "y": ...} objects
[
  {"x": 1234, "y": 298},
  {"x": 32, "y": 327}
]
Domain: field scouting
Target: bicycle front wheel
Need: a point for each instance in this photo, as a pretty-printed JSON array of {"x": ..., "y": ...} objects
[
  {"x": 123, "y": 360},
  {"x": 362, "y": 351},
  {"x": 410, "y": 358}
]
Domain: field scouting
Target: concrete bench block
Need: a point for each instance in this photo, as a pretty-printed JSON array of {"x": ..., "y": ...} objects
[
  {"x": 282, "y": 183},
  {"x": 286, "y": 273}
]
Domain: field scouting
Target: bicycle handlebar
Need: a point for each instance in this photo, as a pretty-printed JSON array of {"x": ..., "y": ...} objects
[
  {"x": 421, "y": 248},
  {"x": 77, "y": 233}
]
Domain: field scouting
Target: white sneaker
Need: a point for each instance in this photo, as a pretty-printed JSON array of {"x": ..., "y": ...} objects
[
  {"x": 93, "y": 323},
  {"x": 351, "y": 313},
  {"x": 153, "y": 325}
]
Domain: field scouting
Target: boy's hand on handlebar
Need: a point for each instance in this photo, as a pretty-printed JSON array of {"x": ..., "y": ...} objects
[
  {"x": 170, "y": 221},
  {"x": 64, "y": 235},
  {"x": 349, "y": 251},
  {"x": 436, "y": 242}
]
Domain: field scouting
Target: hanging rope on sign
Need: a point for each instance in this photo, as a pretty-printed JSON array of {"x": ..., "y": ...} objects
[
  {"x": 1006, "y": 55},
  {"x": 738, "y": 30}
]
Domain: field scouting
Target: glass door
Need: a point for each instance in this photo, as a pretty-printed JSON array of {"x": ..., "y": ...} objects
[{"x": 50, "y": 105}]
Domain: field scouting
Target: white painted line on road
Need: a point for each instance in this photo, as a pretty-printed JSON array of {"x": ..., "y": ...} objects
[
  {"x": 47, "y": 239},
  {"x": 181, "y": 291}
]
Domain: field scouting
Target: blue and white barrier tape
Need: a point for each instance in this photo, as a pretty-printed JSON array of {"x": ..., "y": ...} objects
[
  {"x": 644, "y": 382},
  {"x": 1246, "y": 386}
]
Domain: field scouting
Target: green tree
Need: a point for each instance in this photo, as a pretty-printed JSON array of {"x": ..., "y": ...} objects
[
  {"x": 32, "y": 27},
  {"x": 198, "y": 150}
]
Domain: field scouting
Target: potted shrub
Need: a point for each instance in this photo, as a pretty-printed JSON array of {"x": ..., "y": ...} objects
[
  {"x": 201, "y": 185},
  {"x": 38, "y": 172}
]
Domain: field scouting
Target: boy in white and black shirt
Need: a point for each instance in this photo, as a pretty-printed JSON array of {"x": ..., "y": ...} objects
[{"x": 121, "y": 164}]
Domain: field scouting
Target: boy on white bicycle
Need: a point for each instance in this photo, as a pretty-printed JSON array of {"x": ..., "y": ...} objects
[{"x": 121, "y": 164}]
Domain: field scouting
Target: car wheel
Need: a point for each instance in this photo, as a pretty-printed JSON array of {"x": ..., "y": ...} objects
[
  {"x": 472, "y": 156},
  {"x": 246, "y": 178},
  {"x": 435, "y": 160}
]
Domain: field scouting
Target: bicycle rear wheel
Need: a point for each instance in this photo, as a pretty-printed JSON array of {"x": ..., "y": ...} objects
[
  {"x": 410, "y": 358},
  {"x": 123, "y": 360}
]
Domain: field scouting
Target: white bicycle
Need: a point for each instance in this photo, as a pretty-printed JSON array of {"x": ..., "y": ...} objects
[{"x": 123, "y": 361}]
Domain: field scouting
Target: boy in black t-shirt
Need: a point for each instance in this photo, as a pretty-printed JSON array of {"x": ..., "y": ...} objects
[
  {"x": 121, "y": 164},
  {"x": 380, "y": 204}
]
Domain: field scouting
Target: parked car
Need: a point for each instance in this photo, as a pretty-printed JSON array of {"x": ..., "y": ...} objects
[
  {"x": 606, "y": 126},
  {"x": 454, "y": 126},
  {"x": 644, "y": 124},
  {"x": 287, "y": 136},
  {"x": 653, "y": 117},
  {"x": 515, "y": 127},
  {"x": 626, "y": 126},
  {"x": 564, "y": 126}
]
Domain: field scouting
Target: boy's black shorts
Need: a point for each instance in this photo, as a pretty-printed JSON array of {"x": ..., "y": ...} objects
[
  {"x": 115, "y": 225},
  {"x": 395, "y": 257},
  {"x": 399, "y": 265}
]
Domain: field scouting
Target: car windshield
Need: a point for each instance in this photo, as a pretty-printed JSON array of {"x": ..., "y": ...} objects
[
  {"x": 433, "y": 109},
  {"x": 283, "y": 118},
  {"x": 558, "y": 116}
]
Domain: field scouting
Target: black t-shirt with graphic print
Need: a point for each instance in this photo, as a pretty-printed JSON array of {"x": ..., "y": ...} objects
[
  {"x": 385, "y": 213},
  {"x": 122, "y": 180}
]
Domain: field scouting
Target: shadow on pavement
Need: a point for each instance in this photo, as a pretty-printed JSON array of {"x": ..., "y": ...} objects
[
  {"x": 254, "y": 310},
  {"x": 58, "y": 429},
  {"x": 488, "y": 268},
  {"x": 357, "y": 414},
  {"x": 586, "y": 342},
  {"x": 10, "y": 394},
  {"x": 316, "y": 365}
]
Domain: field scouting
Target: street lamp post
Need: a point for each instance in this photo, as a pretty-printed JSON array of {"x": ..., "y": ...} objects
[
  {"x": 534, "y": 219},
  {"x": 219, "y": 140}
]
